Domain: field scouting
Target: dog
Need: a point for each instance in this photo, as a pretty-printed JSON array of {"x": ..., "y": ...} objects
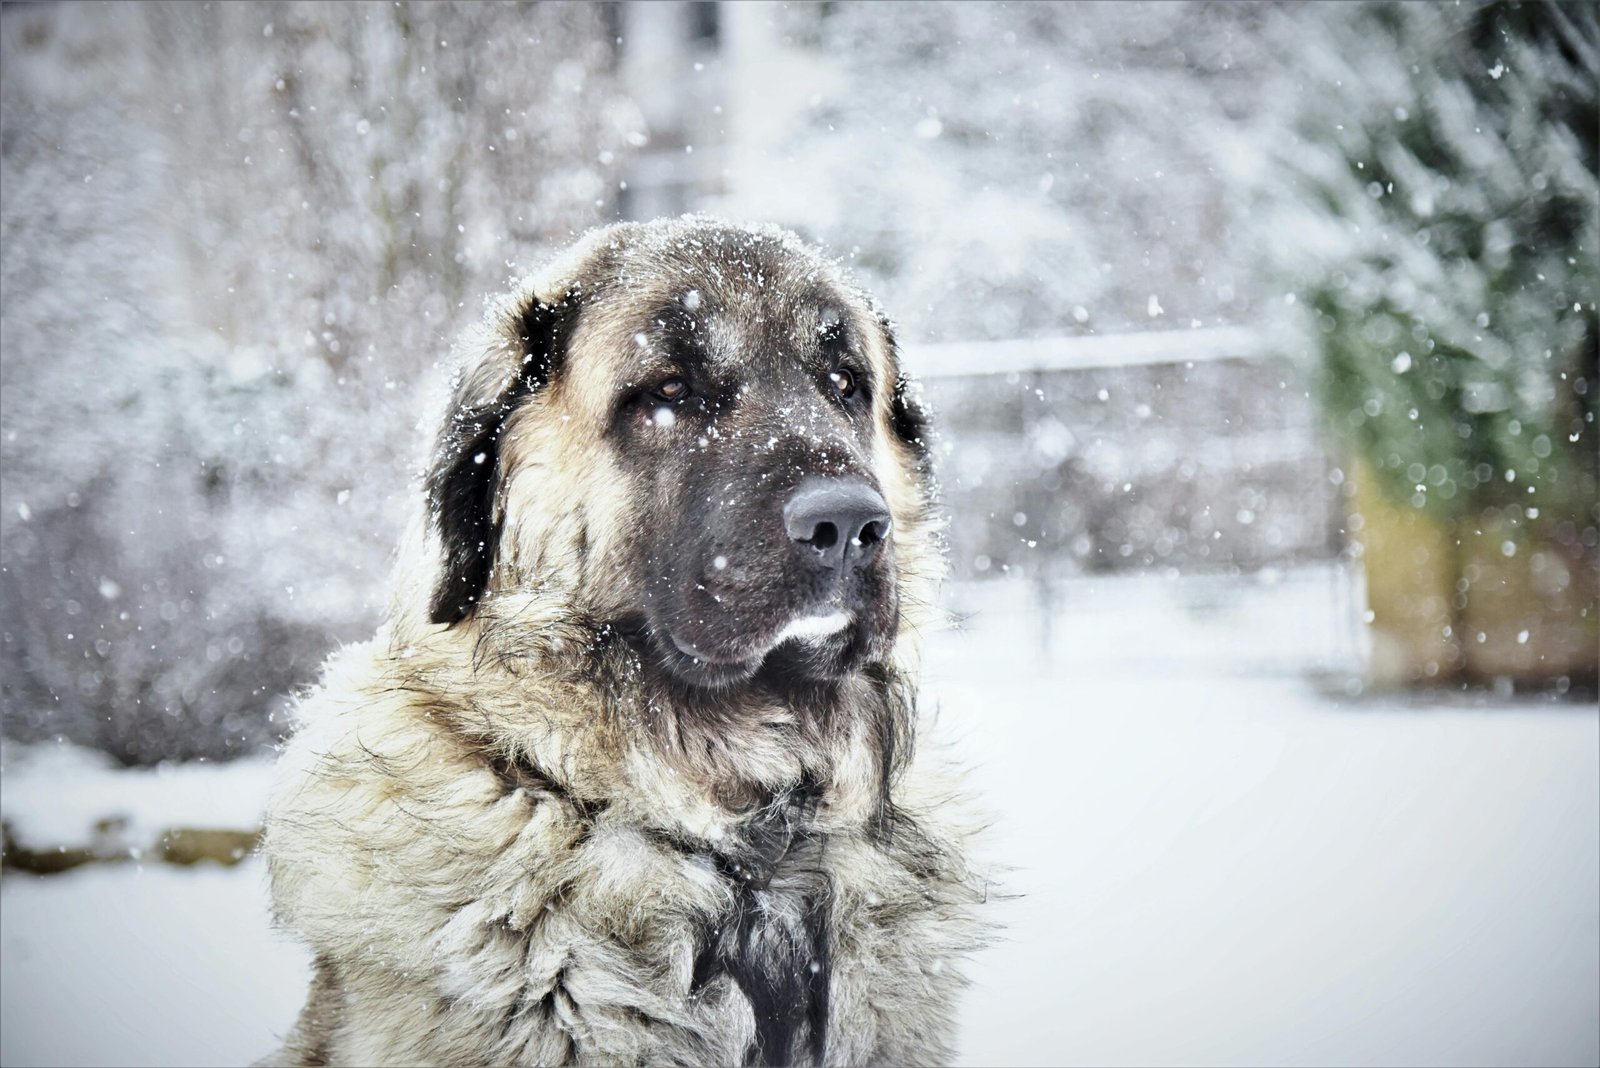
[{"x": 627, "y": 775}]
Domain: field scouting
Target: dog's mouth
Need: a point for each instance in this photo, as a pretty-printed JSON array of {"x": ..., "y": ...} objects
[
  {"x": 816, "y": 643},
  {"x": 813, "y": 627}
]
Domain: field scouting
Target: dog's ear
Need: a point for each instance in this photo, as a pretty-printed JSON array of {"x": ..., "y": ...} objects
[
  {"x": 908, "y": 416},
  {"x": 526, "y": 349}
]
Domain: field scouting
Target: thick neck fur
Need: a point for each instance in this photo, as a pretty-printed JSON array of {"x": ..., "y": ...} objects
[
  {"x": 758, "y": 779},
  {"x": 579, "y": 703}
]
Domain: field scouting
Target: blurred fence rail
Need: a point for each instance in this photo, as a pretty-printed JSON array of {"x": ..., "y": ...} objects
[
  {"x": 1196, "y": 450},
  {"x": 1090, "y": 350}
]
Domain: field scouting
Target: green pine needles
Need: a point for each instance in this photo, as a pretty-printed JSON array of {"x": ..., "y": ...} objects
[{"x": 1440, "y": 227}]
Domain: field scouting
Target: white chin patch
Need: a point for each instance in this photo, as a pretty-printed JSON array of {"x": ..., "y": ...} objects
[{"x": 809, "y": 628}]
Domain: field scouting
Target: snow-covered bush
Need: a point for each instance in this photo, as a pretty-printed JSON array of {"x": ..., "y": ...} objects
[
  {"x": 1439, "y": 221},
  {"x": 1435, "y": 218},
  {"x": 236, "y": 242}
]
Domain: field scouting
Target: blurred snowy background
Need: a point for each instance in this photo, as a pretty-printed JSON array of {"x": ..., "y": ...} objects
[{"x": 1263, "y": 344}]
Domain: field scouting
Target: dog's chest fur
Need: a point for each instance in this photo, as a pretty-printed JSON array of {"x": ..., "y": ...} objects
[
  {"x": 774, "y": 943},
  {"x": 467, "y": 908}
]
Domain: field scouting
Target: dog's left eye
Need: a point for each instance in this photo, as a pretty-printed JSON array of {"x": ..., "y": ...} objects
[
  {"x": 844, "y": 383},
  {"x": 672, "y": 389}
]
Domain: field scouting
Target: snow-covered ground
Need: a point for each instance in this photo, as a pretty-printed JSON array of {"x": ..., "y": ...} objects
[
  {"x": 138, "y": 963},
  {"x": 1221, "y": 866},
  {"x": 1216, "y": 863},
  {"x": 147, "y": 965},
  {"x": 54, "y": 795}
]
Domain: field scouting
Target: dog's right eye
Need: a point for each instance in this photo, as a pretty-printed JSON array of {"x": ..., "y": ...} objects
[{"x": 673, "y": 389}]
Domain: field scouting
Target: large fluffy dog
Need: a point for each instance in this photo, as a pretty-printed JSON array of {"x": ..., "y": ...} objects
[{"x": 627, "y": 775}]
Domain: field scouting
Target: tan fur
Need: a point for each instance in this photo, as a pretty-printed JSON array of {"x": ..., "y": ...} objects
[{"x": 497, "y": 858}]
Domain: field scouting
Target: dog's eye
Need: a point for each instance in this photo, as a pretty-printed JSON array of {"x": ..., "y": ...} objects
[
  {"x": 844, "y": 383},
  {"x": 672, "y": 389}
]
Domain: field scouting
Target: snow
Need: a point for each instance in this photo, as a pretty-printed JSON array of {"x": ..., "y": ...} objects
[
  {"x": 1220, "y": 865},
  {"x": 1216, "y": 862},
  {"x": 137, "y": 965},
  {"x": 54, "y": 794}
]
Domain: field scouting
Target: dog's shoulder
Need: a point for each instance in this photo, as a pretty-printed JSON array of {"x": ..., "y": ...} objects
[{"x": 384, "y": 811}]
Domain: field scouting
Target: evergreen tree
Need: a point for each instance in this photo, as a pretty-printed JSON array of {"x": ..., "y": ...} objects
[{"x": 1440, "y": 231}]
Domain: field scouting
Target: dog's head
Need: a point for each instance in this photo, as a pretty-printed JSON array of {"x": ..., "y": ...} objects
[{"x": 697, "y": 433}]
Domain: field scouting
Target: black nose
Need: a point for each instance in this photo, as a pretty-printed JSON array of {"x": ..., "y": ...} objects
[{"x": 843, "y": 520}]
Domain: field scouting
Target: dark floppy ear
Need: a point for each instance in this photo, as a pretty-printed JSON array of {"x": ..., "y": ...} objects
[
  {"x": 464, "y": 472},
  {"x": 908, "y": 416}
]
